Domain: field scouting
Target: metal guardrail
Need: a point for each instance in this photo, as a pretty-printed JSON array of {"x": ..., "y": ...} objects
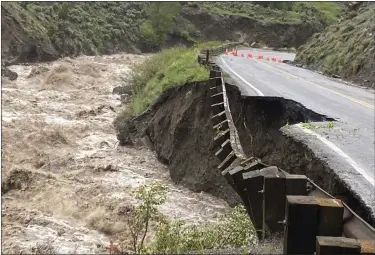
[{"x": 353, "y": 226}]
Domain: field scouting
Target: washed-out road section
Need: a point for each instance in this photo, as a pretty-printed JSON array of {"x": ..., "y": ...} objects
[{"x": 348, "y": 146}]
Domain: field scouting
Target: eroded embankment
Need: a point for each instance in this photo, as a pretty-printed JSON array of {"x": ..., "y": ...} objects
[
  {"x": 179, "y": 127},
  {"x": 258, "y": 121}
]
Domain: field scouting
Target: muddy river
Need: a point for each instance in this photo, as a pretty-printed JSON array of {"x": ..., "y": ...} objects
[{"x": 68, "y": 183}]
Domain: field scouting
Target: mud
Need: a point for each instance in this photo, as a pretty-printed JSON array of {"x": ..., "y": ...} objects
[
  {"x": 65, "y": 180},
  {"x": 179, "y": 127}
]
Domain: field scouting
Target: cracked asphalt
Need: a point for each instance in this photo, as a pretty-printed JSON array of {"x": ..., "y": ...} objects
[{"x": 347, "y": 147}]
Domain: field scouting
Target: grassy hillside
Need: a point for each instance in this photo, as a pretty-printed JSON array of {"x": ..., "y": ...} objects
[
  {"x": 345, "y": 48},
  {"x": 48, "y": 30},
  {"x": 280, "y": 12},
  {"x": 171, "y": 67},
  {"x": 75, "y": 27}
]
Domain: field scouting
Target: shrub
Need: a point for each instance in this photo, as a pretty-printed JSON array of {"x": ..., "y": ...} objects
[{"x": 233, "y": 230}]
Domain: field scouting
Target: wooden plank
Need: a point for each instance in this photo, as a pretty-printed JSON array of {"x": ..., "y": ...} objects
[
  {"x": 222, "y": 125},
  {"x": 230, "y": 179},
  {"x": 330, "y": 219},
  {"x": 253, "y": 185},
  {"x": 218, "y": 118},
  {"x": 301, "y": 222},
  {"x": 296, "y": 185},
  {"x": 227, "y": 161},
  {"x": 327, "y": 245},
  {"x": 274, "y": 202},
  {"x": 367, "y": 247},
  {"x": 221, "y": 137},
  {"x": 217, "y": 108}
]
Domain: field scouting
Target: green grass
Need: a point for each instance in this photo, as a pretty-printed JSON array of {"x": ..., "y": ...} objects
[
  {"x": 330, "y": 10},
  {"x": 91, "y": 28},
  {"x": 280, "y": 12},
  {"x": 77, "y": 27},
  {"x": 344, "y": 48},
  {"x": 170, "y": 67}
]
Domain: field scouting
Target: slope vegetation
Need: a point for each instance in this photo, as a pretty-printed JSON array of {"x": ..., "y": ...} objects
[
  {"x": 346, "y": 48},
  {"x": 40, "y": 31}
]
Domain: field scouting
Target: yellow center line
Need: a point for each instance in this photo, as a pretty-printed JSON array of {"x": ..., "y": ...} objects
[{"x": 327, "y": 89}]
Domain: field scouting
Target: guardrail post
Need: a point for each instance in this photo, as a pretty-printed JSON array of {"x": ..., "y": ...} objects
[
  {"x": 274, "y": 202},
  {"x": 253, "y": 182},
  {"x": 296, "y": 185},
  {"x": 308, "y": 217},
  {"x": 276, "y": 188},
  {"x": 367, "y": 247},
  {"x": 331, "y": 212},
  {"x": 326, "y": 245},
  {"x": 301, "y": 221}
]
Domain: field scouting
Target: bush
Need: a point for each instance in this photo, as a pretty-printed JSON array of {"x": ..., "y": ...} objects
[{"x": 232, "y": 230}]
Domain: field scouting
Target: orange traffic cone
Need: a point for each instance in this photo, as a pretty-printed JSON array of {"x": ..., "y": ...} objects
[
  {"x": 226, "y": 52},
  {"x": 267, "y": 58},
  {"x": 242, "y": 55},
  {"x": 279, "y": 60},
  {"x": 250, "y": 55}
]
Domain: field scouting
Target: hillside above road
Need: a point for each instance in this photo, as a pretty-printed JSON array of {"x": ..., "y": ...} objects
[
  {"x": 346, "y": 48},
  {"x": 40, "y": 31}
]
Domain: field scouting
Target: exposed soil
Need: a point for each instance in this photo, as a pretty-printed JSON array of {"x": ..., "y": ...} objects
[
  {"x": 237, "y": 28},
  {"x": 179, "y": 127},
  {"x": 258, "y": 121},
  {"x": 64, "y": 179}
]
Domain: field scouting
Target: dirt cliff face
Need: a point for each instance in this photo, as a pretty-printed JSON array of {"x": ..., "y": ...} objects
[
  {"x": 179, "y": 128},
  {"x": 222, "y": 27}
]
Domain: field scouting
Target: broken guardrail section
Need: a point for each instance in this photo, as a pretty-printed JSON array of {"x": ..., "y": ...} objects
[{"x": 313, "y": 222}]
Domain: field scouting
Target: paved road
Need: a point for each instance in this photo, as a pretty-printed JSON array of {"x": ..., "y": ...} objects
[{"x": 348, "y": 147}]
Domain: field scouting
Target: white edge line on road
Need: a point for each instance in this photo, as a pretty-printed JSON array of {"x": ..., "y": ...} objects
[
  {"x": 340, "y": 152},
  {"x": 322, "y": 139},
  {"x": 242, "y": 79}
]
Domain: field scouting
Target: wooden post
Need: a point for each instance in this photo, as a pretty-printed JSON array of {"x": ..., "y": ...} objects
[
  {"x": 367, "y": 247},
  {"x": 301, "y": 221},
  {"x": 276, "y": 188},
  {"x": 296, "y": 185},
  {"x": 274, "y": 202},
  {"x": 326, "y": 245},
  {"x": 253, "y": 184},
  {"x": 331, "y": 212},
  {"x": 323, "y": 217}
]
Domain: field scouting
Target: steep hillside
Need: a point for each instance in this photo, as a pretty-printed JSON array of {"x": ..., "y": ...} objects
[
  {"x": 347, "y": 48},
  {"x": 35, "y": 31},
  {"x": 46, "y": 30}
]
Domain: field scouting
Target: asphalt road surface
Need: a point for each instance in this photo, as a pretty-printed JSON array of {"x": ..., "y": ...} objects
[{"x": 348, "y": 147}]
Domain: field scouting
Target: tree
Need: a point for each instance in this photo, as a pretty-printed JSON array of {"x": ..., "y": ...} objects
[
  {"x": 159, "y": 22},
  {"x": 151, "y": 196}
]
